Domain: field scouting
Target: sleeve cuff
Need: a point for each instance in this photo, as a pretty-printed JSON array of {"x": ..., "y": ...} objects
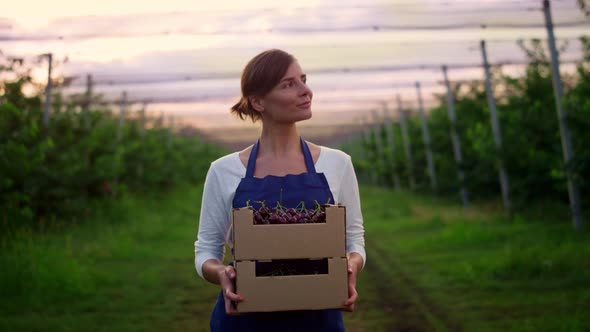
[
  {"x": 200, "y": 259},
  {"x": 359, "y": 250}
]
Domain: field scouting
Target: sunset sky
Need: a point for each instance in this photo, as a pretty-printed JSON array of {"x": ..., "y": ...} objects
[{"x": 187, "y": 55}]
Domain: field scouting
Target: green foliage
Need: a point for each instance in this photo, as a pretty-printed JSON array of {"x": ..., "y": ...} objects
[
  {"x": 532, "y": 151},
  {"x": 56, "y": 172}
]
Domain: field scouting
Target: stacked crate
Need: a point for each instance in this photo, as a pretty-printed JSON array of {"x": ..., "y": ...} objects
[{"x": 265, "y": 243}]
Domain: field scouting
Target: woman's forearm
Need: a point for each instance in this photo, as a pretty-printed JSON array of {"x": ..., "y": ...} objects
[
  {"x": 355, "y": 260},
  {"x": 212, "y": 270}
]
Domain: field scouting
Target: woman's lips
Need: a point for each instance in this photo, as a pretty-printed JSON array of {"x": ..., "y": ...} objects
[{"x": 307, "y": 104}]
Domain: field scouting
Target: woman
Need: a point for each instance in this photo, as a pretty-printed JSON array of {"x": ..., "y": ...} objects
[{"x": 274, "y": 91}]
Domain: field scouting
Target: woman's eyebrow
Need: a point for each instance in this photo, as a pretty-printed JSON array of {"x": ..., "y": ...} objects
[
  {"x": 288, "y": 79},
  {"x": 292, "y": 78}
]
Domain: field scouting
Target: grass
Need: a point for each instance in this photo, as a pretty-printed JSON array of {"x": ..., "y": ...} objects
[
  {"x": 432, "y": 265},
  {"x": 483, "y": 271},
  {"x": 127, "y": 268}
]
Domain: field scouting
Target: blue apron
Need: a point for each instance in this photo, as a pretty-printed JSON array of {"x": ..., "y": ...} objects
[{"x": 290, "y": 190}]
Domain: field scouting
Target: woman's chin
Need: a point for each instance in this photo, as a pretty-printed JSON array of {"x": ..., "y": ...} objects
[
  {"x": 297, "y": 117},
  {"x": 306, "y": 115}
]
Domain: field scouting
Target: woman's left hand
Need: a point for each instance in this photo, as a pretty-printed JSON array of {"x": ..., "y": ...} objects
[{"x": 353, "y": 267}]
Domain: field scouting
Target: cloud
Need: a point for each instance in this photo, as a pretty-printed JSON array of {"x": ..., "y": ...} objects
[{"x": 196, "y": 50}]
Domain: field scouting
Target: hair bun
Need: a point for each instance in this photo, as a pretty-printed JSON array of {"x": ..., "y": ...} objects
[{"x": 241, "y": 108}]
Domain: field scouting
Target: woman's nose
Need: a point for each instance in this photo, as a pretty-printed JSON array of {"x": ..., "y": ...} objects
[{"x": 305, "y": 90}]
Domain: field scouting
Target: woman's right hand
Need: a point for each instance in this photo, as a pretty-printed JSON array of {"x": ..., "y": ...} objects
[{"x": 227, "y": 279}]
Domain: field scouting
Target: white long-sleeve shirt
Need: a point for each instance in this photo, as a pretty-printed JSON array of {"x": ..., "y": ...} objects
[{"x": 221, "y": 183}]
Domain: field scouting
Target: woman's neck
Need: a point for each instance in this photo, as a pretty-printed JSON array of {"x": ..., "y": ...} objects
[{"x": 278, "y": 141}]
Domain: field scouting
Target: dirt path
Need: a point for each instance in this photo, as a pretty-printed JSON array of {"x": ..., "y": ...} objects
[{"x": 411, "y": 310}]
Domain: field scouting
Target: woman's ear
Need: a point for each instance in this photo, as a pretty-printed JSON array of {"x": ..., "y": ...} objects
[{"x": 257, "y": 103}]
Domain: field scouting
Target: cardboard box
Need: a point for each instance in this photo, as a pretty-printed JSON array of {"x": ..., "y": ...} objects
[
  {"x": 292, "y": 292},
  {"x": 325, "y": 241},
  {"x": 289, "y": 241}
]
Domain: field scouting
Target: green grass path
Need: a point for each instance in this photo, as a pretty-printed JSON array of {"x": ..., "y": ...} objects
[
  {"x": 445, "y": 268},
  {"x": 432, "y": 266}
]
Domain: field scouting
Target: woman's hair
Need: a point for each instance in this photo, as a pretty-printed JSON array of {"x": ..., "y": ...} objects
[{"x": 259, "y": 77}]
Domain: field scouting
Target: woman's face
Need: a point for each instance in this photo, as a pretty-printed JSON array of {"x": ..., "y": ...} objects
[{"x": 290, "y": 100}]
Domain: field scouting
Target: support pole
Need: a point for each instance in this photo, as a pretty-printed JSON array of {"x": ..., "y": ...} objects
[
  {"x": 122, "y": 111},
  {"x": 370, "y": 135},
  {"x": 566, "y": 144},
  {"x": 87, "y": 102},
  {"x": 47, "y": 106},
  {"x": 407, "y": 144},
  {"x": 391, "y": 142},
  {"x": 503, "y": 175},
  {"x": 427, "y": 142},
  {"x": 455, "y": 140}
]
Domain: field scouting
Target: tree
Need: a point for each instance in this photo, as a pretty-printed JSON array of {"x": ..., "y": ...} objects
[{"x": 584, "y": 7}]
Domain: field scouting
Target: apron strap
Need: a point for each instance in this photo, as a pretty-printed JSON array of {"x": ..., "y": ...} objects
[
  {"x": 252, "y": 159},
  {"x": 308, "y": 158}
]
